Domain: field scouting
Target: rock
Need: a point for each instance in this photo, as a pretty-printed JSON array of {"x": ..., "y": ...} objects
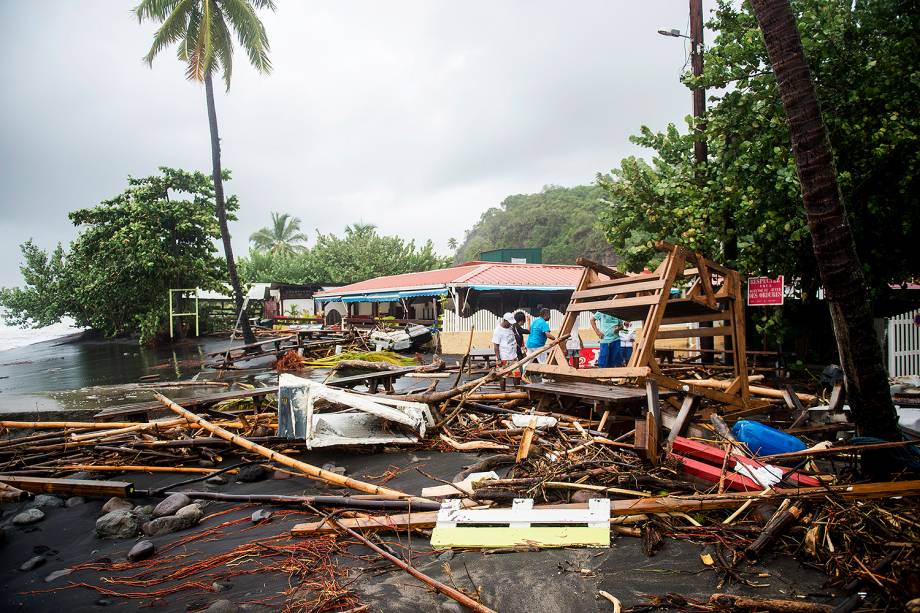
[
  {"x": 29, "y": 516},
  {"x": 450, "y": 607},
  {"x": 261, "y": 515},
  {"x": 216, "y": 480},
  {"x": 278, "y": 475},
  {"x": 221, "y": 585},
  {"x": 144, "y": 513},
  {"x": 32, "y": 563},
  {"x": 117, "y": 525},
  {"x": 251, "y": 474},
  {"x": 186, "y": 518},
  {"x": 583, "y": 496},
  {"x": 116, "y": 504},
  {"x": 58, "y": 574},
  {"x": 46, "y": 501},
  {"x": 83, "y": 475},
  {"x": 447, "y": 556},
  {"x": 331, "y": 467},
  {"x": 141, "y": 551},
  {"x": 206, "y": 463},
  {"x": 103, "y": 602},
  {"x": 41, "y": 549},
  {"x": 74, "y": 501},
  {"x": 171, "y": 504},
  {"x": 222, "y": 606}
]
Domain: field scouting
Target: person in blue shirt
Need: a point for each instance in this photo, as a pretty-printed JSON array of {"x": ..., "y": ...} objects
[
  {"x": 607, "y": 327},
  {"x": 539, "y": 332}
]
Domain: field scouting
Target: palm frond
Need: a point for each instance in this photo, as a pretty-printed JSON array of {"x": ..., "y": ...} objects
[
  {"x": 202, "y": 53},
  {"x": 172, "y": 30},
  {"x": 250, "y": 32},
  {"x": 154, "y": 9},
  {"x": 223, "y": 47}
]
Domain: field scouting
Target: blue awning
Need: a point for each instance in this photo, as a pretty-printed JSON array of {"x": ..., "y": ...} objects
[
  {"x": 524, "y": 288},
  {"x": 441, "y": 291},
  {"x": 372, "y": 298}
]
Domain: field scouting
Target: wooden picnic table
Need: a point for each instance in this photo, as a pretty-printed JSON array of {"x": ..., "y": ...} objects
[
  {"x": 372, "y": 379},
  {"x": 195, "y": 402}
]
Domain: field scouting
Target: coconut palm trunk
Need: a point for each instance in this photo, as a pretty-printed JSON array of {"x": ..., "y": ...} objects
[
  {"x": 220, "y": 209},
  {"x": 835, "y": 251}
]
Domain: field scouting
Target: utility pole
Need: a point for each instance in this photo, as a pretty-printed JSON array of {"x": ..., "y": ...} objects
[{"x": 700, "y": 150}]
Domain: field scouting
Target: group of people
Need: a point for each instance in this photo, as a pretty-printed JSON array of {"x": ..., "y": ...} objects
[{"x": 616, "y": 339}]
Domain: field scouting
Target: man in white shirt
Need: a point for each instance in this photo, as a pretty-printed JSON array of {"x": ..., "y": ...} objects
[
  {"x": 505, "y": 344},
  {"x": 627, "y": 340}
]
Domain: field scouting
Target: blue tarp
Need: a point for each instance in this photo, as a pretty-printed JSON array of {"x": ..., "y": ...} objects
[{"x": 441, "y": 291}]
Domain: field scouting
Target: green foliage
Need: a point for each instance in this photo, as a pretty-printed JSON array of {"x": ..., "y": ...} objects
[
  {"x": 282, "y": 238},
  {"x": 864, "y": 58},
  {"x": 157, "y": 235},
  {"x": 204, "y": 31},
  {"x": 360, "y": 254},
  {"x": 563, "y": 221}
]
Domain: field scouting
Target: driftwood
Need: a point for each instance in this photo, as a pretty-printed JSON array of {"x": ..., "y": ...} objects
[
  {"x": 345, "y": 502},
  {"x": 788, "y": 514},
  {"x": 766, "y": 392},
  {"x": 773, "y": 605},
  {"x": 437, "y": 364},
  {"x": 68, "y": 487},
  {"x": 307, "y": 469}
]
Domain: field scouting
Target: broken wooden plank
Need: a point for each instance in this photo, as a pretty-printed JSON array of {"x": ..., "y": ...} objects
[{"x": 69, "y": 487}]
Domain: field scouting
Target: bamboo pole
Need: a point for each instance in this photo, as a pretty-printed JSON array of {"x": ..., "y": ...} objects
[
  {"x": 140, "y": 468},
  {"x": 307, "y": 469},
  {"x": 767, "y": 392}
]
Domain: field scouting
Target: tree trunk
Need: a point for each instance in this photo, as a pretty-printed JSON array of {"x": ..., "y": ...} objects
[
  {"x": 838, "y": 263},
  {"x": 248, "y": 336}
]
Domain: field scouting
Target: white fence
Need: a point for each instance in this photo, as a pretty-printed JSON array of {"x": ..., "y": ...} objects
[
  {"x": 903, "y": 345},
  {"x": 486, "y": 321}
]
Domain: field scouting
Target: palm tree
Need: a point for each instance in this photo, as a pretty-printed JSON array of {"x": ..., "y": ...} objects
[
  {"x": 452, "y": 244},
  {"x": 203, "y": 30},
  {"x": 282, "y": 238},
  {"x": 838, "y": 263}
]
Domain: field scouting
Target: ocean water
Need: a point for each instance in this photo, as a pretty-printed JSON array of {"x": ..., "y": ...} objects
[{"x": 12, "y": 337}]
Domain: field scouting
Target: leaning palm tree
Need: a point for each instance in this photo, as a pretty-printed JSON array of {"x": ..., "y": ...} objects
[
  {"x": 835, "y": 251},
  {"x": 282, "y": 238},
  {"x": 203, "y": 30}
]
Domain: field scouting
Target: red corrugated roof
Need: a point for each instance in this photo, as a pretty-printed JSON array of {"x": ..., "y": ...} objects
[{"x": 485, "y": 273}]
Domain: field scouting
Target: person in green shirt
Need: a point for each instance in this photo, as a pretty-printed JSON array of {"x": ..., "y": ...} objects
[{"x": 607, "y": 327}]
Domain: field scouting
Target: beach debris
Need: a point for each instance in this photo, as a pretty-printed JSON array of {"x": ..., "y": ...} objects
[
  {"x": 762, "y": 439},
  {"x": 261, "y": 515},
  {"x": 74, "y": 501},
  {"x": 121, "y": 524},
  {"x": 27, "y": 517},
  {"x": 141, "y": 551}
]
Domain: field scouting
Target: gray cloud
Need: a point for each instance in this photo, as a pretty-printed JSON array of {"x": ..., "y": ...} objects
[{"x": 415, "y": 115}]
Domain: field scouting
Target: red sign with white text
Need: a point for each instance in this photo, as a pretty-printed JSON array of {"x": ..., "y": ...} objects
[{"x": 764, "y": 291}]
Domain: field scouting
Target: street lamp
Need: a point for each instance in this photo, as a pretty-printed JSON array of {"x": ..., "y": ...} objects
[{"x": 672, "y": 32}]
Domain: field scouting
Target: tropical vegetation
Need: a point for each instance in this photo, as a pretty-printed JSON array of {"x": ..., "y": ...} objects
[
  {"x": 361, "y": 253},
  {"x": 204, "y": 32},
  {"x": 563, "y": 221},
  {"x": 131, "y": 250},
  {"x": 283, "y": 237}
]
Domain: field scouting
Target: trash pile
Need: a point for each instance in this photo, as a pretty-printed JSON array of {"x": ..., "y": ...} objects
[{"x": 560, "y": 476}]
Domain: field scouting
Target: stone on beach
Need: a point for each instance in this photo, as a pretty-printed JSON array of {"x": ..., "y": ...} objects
[
  {"x": 74, "y": 501},
  {"x": 141, "y": 551},
  {"x": 29, "y": 516},
  {"x": 186, "y": 517},
  {"x": 58, "y": 574},
  {"x": 46, "y": 500},
  {"x": 171, "y": 505},
  {"x": 117, "y": 525},
  {"x": 260, "y": 515},
  {"x": 252, "y": 473},
  {"x": 32, "y": 563},
  {"x": 116, "y": 504}
]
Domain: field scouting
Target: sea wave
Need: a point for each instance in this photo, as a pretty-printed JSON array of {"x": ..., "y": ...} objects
[{"x": 12, "y": 337}]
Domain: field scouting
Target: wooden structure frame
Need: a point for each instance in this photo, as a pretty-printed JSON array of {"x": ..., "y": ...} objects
[{"x": 712, "y": 294}]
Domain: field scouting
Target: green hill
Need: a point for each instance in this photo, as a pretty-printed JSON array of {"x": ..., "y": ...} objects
[{"x": 561, "y": 220}]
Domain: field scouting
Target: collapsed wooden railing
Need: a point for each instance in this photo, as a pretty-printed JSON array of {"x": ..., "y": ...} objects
[{"x": 685, "y": 288}]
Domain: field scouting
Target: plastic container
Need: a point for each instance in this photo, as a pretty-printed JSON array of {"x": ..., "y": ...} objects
[{"x": 764, "y": 440}]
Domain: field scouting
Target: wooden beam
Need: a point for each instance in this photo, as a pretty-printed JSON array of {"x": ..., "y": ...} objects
[
  {"x": 623, "y": 288},
  {"x": 613, "y": 273},
  {"x": 695, "y": 332},
  {"x": 607, "y": 305},
  {"x": 623, "y": 372},
  {"x": 69, "y": 487},
  {"x": 692, "y": 319},
  {"x": 659, "y": 504},
  {"x": 687, "y": 410}
]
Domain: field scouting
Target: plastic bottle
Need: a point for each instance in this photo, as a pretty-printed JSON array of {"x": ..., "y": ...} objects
[{"x": 764, "y": 440}]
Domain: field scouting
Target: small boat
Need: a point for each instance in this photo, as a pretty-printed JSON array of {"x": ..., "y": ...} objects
[{"x": 408, "y": 339}]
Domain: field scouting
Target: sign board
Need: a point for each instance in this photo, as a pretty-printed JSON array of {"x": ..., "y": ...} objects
[
  {"x": 518, "y": 260},
  {"x": 764, "y": 291}
]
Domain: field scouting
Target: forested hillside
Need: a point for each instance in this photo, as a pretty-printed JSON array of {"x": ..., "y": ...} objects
[{"x": 561, "y": 220}]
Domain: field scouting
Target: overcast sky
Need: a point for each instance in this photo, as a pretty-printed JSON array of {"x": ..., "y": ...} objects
[{"x": 416, "y": 116}]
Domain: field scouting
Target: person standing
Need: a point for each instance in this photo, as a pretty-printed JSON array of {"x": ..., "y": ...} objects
[
  {"x": 539, "y": 332},
  {"x": 627, "y": 340},
  {"x": 505, "y": 345},
  {"x": 607, "y": 327},
  {"x": 519, "y": 328}
]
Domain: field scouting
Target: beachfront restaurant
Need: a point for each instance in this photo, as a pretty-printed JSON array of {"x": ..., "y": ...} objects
[{"x": 456, "y": 300}]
